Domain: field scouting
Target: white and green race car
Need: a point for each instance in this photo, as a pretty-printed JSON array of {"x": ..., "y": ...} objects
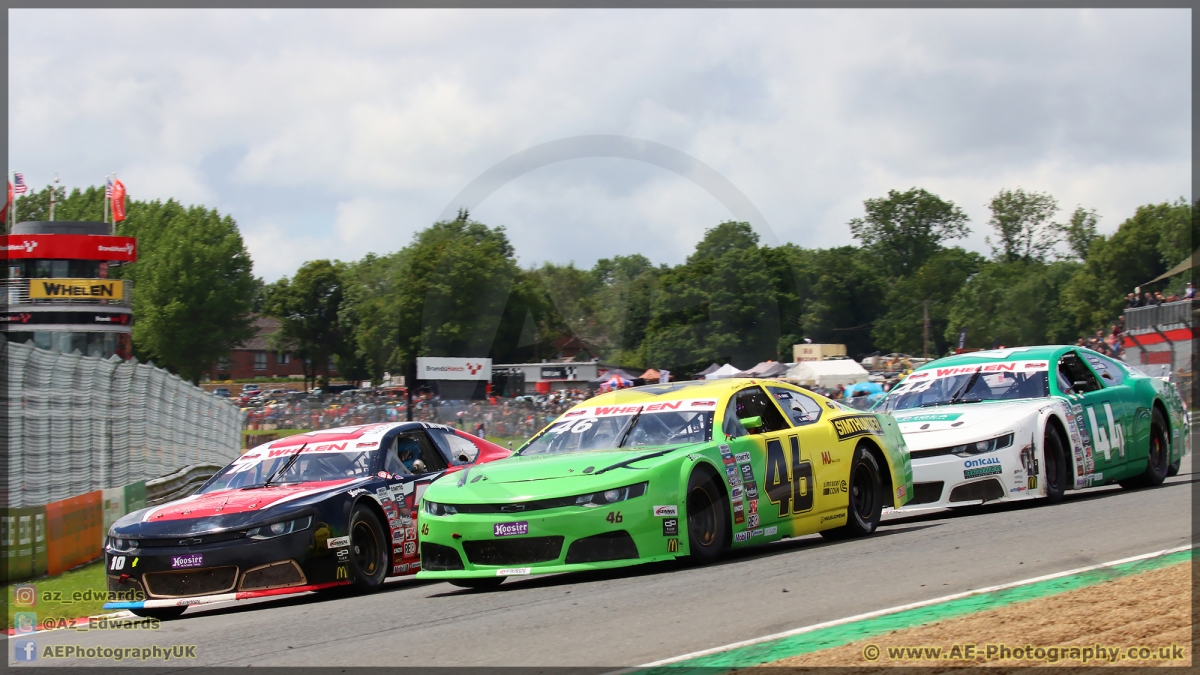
[{"x": 1034, "y": 422}]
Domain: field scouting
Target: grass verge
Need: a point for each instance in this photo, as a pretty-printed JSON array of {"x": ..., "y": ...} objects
[{"x": 65, "y": 596}]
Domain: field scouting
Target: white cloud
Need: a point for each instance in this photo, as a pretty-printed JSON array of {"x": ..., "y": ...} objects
[{"x": 334, "y": 132}]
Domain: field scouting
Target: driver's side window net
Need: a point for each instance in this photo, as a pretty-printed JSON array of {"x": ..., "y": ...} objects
[
  {"x": 1073, "y": 374},
  {"x": 752, "y": 402}
]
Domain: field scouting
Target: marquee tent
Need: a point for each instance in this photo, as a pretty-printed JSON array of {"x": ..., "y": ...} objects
[
  {"x": 727, "y": 370},
  {"x": 828, "y": 373}
]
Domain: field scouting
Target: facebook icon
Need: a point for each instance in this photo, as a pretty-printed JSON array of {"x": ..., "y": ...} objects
[{"x": 25, "y": 650}]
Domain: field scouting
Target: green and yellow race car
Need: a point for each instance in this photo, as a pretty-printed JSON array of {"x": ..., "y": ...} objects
[{"x": 664, "y": 471}]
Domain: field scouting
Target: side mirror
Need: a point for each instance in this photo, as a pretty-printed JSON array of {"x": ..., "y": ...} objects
[
  {"x": 752, "y": 423},
  {"x": 418, "y": 466},
  {"x": 464, "y": 459}
]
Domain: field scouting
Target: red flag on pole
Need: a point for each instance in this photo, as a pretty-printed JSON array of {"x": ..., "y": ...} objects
[{"x": 118, "y": 201}]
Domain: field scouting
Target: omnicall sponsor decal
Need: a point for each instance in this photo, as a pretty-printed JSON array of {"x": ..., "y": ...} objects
[
  {"x": 982, "y": 461},
  {"x": 510, "y": 529},
  {"x": 194, "y": 560}
]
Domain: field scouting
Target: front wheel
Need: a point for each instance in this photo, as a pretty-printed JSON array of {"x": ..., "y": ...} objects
[
  {"x": 1158, "y": 459},
  {"x": 1055, "y": 459},
  {"x": 706, "y": 514},
  {"x": 368, "y": 550},
  {"x": 866, "y": 498}
]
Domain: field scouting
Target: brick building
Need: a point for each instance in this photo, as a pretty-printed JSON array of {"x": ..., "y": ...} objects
[{"x": 255, "y": 358}]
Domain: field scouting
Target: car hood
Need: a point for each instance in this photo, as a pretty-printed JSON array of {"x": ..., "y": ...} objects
[
  {"x": 227, "y": 509},
  {"x": 521, "y": 477},
  {"x": 948, "y": 425}
]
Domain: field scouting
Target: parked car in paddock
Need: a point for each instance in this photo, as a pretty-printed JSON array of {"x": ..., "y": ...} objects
[
  {"x": 310, "y": 512},
  {"x": 665, "y": 471},
  {"x": 1033, "y": 422}
]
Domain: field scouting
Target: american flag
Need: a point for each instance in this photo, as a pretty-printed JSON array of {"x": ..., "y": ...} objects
[
  {"x": 108, "y": 189},
  {"x": 19, "y": 186}
]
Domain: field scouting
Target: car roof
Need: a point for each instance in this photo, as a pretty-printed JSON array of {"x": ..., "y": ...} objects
[
  {"x": 1038, "y": 353},
  {"x": 674, "y": 391}
]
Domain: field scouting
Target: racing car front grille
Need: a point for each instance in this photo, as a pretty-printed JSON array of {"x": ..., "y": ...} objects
[
  {"x": 921, "y": 454},
  {"x": 926, "y": 493},
  {"x": 189, "y": 583},
  {"x": 275, "y": 575},
  {"x": 188, "y": 542},
  {"x": 521, "y": 551},
  {"x": 608, "y": 546},
  {"x": 438, "y": 558},
  {"x": 986, "y": 490}
]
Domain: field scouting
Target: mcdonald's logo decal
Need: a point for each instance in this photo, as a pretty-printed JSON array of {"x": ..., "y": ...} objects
[
  {"x": 672, "y": 546},
  {"x": 342, "y": 573}
]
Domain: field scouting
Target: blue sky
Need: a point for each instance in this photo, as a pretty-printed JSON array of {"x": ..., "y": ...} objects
[{"x": 333, "y": 133}]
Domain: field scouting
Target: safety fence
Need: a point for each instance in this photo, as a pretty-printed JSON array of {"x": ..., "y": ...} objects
[{"x": 88, "y": 440}]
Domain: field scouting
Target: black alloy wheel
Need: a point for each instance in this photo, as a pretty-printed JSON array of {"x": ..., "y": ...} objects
[
  {"x": 368, "y": 550},
  {"x": 706, "y": 514},
  {"x": 866, "y": 497},
  {"x": 1055, "y": 459},
  {"x": 1158, "y": 460}
]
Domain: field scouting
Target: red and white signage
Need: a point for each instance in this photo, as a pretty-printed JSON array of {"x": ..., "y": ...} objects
[{"x": 70, "y": 247}]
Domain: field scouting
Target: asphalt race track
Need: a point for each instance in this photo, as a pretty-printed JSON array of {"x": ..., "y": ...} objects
[{"x": 643, "y": 614}]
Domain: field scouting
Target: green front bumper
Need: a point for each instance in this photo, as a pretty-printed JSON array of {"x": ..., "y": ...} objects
[{"x": 634, "y": 516}]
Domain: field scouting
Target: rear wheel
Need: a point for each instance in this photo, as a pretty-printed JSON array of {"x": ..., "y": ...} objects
[
  {"x": 706, "y": 515},
  {"x": 866, "y": 498},
  {"x": 1157, "y": 456},
  {"x": 478, "y": 584},
  {"x": 160, "y": 613},
  {"x": 368, "y": 550},
  {"x": 1055, "y": 459},
  {"x": 1173, "y": 470}
]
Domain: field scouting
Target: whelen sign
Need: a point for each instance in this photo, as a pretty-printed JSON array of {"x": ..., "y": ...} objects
[
  {"x": 70, "y": 247},
  {"x": 439, "y": 368}
]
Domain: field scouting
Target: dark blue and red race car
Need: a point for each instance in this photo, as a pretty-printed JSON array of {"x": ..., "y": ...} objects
[{"x": 318, "y": 511}]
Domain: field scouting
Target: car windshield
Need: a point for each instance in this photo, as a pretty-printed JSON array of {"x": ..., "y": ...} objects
[
  {"x": 971, "y": 384},
  {"x": 580, "y": 434},
  {"x": 257, "y": 465}
]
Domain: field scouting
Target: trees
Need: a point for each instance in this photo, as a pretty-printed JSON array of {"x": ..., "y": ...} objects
[
  {"x": 905, "y": 228},
  {"x": 192, "y": 292},
  {"x": 718, "y": 306},
  {"x": 308, "y": 307},
  {"x": 1022, "y": 223},
  {"x": 1079, "y": 232},
  {"x": 901, "y": 326},
  {"x": 452, "y": 296}
]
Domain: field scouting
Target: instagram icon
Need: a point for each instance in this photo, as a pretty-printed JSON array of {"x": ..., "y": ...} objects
[{"x": 25, "y": 595}]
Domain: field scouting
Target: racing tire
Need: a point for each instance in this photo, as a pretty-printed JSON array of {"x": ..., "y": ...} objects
[
  {"x": 369, "y": 549},
  {"x": 1173, "y": 470},
  {"x": 1055, "y": 459},
  {"x": 483, "y": 584},
  {"x": 160, "y": 613},
  {"x": 866, "y": 498},
  {"x": 1158, "y": 457},
  {"x": 706, "y": 518}
]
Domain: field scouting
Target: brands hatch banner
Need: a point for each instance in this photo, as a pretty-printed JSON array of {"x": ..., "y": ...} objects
[
  {"x": 100, "y": 289},
  {"x": 70, "y": 247},
  {"x": 443, "y": 368}
]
